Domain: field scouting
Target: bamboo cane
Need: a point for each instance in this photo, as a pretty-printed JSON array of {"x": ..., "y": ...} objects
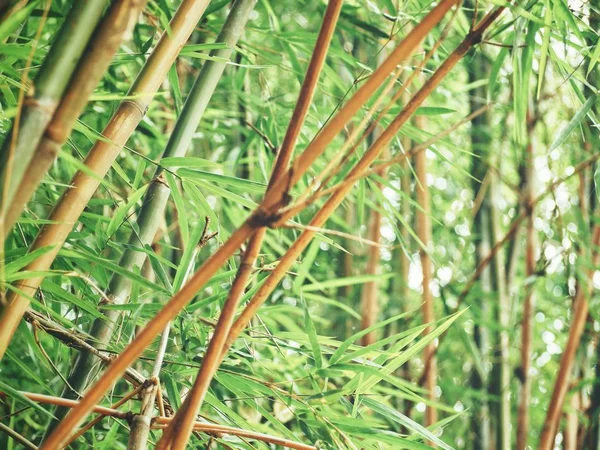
[
  {"x": 423, "y": 219},
  {"x": 42, "y": 100},
  {"x": 580, "y": 315},
  {"x": 98, "y": 57},
  {"x": 99, "y": 160},
  {"x": 158, "y": 193},
  {"x": 209, "y": 366},
  {"x": 260, "y": 217},
  {"x": 528, "y": 306}
]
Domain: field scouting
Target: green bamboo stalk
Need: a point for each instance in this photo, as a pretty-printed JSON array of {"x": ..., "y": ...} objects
[
  {"x": 98, "y": 55},
  {"x": 44, "y": 96},
  {"x": 158, "y": 193},
  {"x": 480, "y": 146},
  {"x": 99, "y": 160}
]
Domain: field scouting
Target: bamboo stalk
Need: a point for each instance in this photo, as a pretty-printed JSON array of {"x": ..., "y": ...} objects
[
  {"x": 528, "y": 306},
  {"x": 156, "y": 197},
  {"x": 211, "y": 360},
  {"x": 101, "y": 156},
  {"x": 259, "y": 217},
  {"x": 41, "y": 101},
  {"x": 98, "y": 57},
  {"x": 336, "y": 198},
  {"x": 423, "y": 219},
  {"x": 580, "y": 314},
  {"x": 141, "y": 423},
  {"x": 17, "y": 437},
  {"x": 482, "y": 229},
  {"x": 369, "y": 307}
]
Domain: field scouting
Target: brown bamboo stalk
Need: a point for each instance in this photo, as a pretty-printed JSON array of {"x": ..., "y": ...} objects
[
  {"x": 423, "y": 219},
  {"x": 580, "y": 314},
  {"x": 100, "y": 158},
  {"x": 369, "y": 296},
  {"x": 97, "y": 57},
  {"x": 262, "y": 216},
  {"x": 211, "y": 359},
  {"x": 528, "y": 306},
  {"x": 336, "y": 198},
  {"x": 369, "y": 300}
]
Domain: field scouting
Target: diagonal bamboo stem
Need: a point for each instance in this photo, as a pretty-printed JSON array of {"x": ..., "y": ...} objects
[
  {"x": 336, "y": 198},
  {"x": 17, "y": 437},
  {"x": 580, "y": 315},
  {"x": 98, "y": 57},
  {"x": 260, "y": 217},
  {"x": 210, "y": 362},
  {"x": 99, "y": 160},
  {"x": 156, "y": 197},
  {"x": 50, "y": 84}
]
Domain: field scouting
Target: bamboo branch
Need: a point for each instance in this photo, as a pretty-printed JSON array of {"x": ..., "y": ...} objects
[
  {"x": 211, "y": 359},
  {"x": 38, "y": 105},
  {"x": 260, "y": 217},
  {"x": 161, "y": 421},
  {"x": 17, "y": 437}
]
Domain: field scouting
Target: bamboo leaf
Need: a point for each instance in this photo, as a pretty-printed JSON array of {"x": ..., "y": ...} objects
[{"x": 573, "y": 123}]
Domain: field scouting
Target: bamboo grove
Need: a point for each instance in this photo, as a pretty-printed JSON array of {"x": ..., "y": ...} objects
[{"x": 247, "y": 224}]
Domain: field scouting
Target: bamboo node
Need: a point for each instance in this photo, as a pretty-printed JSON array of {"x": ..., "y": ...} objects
[
  {"x": 44, "y": 104},
  {"x": 106, "y": 300},
  {"x": 141, "y": 109},
  {"x": 263, "y": 218},
  {"x": 160, "y": 178}
]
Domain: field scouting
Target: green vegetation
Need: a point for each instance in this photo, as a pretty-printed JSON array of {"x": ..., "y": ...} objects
[{"x": 312, "y": 225}]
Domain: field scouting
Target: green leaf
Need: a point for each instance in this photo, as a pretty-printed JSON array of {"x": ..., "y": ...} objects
[{"x": 573, "y": 123}]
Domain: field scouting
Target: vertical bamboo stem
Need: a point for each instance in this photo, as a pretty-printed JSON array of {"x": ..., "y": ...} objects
[
  {"x": 72, "y": 203},
  {"x": 528, "y": 306},
  {"x": 42, "y": 100},
  {"x": 423, "y": 218}
]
